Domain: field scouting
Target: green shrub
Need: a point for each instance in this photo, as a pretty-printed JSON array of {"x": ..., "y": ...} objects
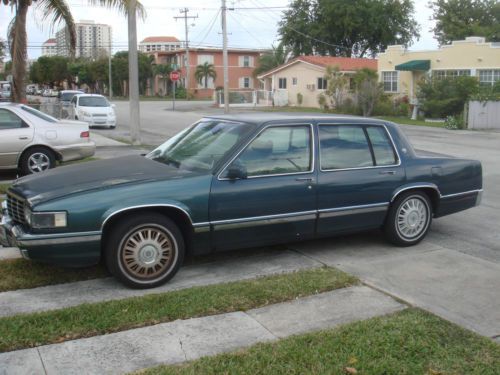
[
  {"x": 300, "y": 98},
  {"x": 454, "y": 122},
  {"x": 447, "y": 96}
]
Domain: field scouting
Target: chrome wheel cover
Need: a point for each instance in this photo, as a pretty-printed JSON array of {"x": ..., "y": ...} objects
[
  {"x": 38, "y": 162},
  {"x": 412, "y": 218},
  {"x": 147, "y": 252}
]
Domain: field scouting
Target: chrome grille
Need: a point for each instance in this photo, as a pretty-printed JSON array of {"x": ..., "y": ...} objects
[
  {"x": 99, "y": 115},
  {"x": 15, "y": 208}
]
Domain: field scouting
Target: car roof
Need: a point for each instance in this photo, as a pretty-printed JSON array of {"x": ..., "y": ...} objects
[
  {"x": 88, "y": 95},
  {"x": 265, "y": 117},
  {"x": 71, "y": 91}
]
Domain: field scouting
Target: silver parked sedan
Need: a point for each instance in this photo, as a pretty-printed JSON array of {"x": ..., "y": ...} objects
[{"x": 33, "y": 141}]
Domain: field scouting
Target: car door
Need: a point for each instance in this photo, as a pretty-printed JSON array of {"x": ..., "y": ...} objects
[
  {"x": 274, "y": 199},
  {"x": 15, "y": 134},
  {"x": 359, "y": 171}
]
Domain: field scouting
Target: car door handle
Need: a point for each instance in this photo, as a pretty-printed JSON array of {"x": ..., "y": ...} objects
[
  {"x": 387, "y": 172},
  {"x": 307, "y": 179},
  {"x": 23, "y": 138}
]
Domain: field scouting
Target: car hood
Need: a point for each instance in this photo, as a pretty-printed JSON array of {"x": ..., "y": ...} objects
[{"x": 101, "y": 174}]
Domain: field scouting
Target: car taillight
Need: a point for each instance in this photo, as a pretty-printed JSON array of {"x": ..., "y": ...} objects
[{"x": 85, "y": 134}]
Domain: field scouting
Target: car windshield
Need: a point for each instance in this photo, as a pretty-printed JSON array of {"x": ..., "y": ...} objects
[
  {"x": 93, "y": 101},
  {"x": 39, "y": 114},
  {"x": 201, "y": 146},
  {"x": 67, "y": 96}
]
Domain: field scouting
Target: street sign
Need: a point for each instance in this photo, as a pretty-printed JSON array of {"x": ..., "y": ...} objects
[{"x": 174, "y": 76}]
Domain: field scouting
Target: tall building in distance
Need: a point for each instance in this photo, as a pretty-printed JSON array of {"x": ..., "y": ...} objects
[
  {"x": 49, "y": 47},
  {"x": 153, "y": 44},
  {"x": 93, "y": 40}
]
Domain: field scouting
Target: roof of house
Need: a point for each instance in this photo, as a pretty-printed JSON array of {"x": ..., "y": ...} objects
[
  {"x": 345, "y": 64},
  {"x": 160, "y": 39},
  {"x": 51, "y": 40}
]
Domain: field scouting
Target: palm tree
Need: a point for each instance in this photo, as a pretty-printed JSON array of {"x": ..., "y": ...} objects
[
  {"x": 277, "y": 56},
  {"x": 162, "y": 71},
  {"x": 56, "y": 11},
  {"x": 205, "y": 71}
]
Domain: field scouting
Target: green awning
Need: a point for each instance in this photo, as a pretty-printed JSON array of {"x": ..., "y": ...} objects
[{"x": 413, "y": 65}]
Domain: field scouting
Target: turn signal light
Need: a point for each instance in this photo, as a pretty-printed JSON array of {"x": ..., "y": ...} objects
[{"x": 85, "y": 134}]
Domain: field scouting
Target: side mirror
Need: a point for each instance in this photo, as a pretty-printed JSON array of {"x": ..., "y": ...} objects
[{"x": 236, "y": 171}]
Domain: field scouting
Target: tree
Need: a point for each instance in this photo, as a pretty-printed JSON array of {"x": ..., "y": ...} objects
[
  {"x": 205, "y": 71},
  {"x": 162, "y": 71},
  {"x": 368, "y": 90},
  {"x": 346, "y": 27},
  {"x": 2, "y": 50},
  {"x": 458, "y": 19},
  {"x": 267, "y": 61},
  {"x": 53, "y": 10},
  {"x": 336, "y": 87},
  {"x": 49, "y": 70},
  {"x": 119, "y": 64}
]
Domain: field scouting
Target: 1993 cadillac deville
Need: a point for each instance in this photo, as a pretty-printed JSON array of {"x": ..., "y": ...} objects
[{"x": 235, "y": 181}]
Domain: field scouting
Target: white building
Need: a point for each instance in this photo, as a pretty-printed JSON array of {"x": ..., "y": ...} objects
[
  {"x": 49, "y": 47},
  {"x": 159, "y": 43},
  {"x": 93, "y": 40}
]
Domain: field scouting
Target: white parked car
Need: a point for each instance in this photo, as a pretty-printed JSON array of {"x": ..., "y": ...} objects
[
  {"x": 32, "y": 141},
  {"x": 94, "y": 109}
]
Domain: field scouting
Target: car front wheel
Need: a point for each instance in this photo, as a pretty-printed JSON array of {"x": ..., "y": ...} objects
[
  {"x": 144, "y": 251},
  {"x": 36, "y": 159},
  {"x": 409, "y": 219}
]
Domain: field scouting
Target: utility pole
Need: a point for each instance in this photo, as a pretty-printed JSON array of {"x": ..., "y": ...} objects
[
  {"x": 110, "y": 81},
  {"x": 224, "y": 57},
  {"x": 186, "y": 17},
  {"x": 133, "y": 74}
]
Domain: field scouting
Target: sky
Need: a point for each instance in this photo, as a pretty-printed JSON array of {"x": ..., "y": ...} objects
[{"x": 252, "y": 23}]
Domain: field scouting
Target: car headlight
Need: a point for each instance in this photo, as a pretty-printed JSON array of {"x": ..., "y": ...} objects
[
  {"x": 27, "y": 214},
  {"x": 85, "y": 114},
  {"x": 43, "y": 220}
]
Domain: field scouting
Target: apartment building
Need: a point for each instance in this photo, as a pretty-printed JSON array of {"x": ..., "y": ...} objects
[
  {"x": 93, "y": 40},
  {"x": 49, "y": 47},
  {"x": 153, "y": 44}
]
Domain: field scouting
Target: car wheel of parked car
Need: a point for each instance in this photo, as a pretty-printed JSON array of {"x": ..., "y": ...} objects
[
  {"x": 409, "y": 219},
  {"x": 37, "y": 159},
  {"x": 144, "y": 251}
]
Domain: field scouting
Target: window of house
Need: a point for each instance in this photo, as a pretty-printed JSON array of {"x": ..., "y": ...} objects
[
  {"x": 321, "y": 83},
  {"x": 202, "y": 59},
  {"x": 489, "y": 77},
  {"x": 246, "y": 82},
  {"x": 246, "y": 61},
  {"x": 278, "y": 150},
  {"x": 450, "y": 73},
  {"x": 390, "y": 80},
  {"x": 282, "y": 83},
  {"x": 294, "y": 81}
]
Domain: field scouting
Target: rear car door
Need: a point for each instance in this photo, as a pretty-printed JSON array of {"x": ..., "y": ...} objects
[
  {"x": 15, "y": 135},
  {"x": 359, "y": 171}
]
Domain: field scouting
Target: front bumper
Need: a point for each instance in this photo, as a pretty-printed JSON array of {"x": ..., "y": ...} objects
[
  {"x": 66, "y": 249},
  {"x": 100, "y": 120}
]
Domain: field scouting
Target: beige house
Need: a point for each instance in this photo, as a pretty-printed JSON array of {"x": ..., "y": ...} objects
[
  {"x": 305, "y": 75},
  {"x": 400, "y": 69}
]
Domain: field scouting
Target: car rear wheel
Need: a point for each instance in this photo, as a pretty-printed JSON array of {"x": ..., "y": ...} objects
[
  {"x": 409, "y": 219},
  {"x": 144, "y": 251},
  {"x": 37, "y": 159}
]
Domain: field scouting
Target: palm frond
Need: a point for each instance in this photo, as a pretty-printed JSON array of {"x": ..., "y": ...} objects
[
  {"x": 122, "y": 5},
  {"x": 57, "y": 11}
]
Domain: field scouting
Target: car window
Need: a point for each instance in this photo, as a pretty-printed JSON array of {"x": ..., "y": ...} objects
[
  {"x": 344, "y": 146},
  {"x": 278, "y": 150},
  {"x": 66, "y": 96},
  {"x": 93, "y": 101},
  {"x": 382, "y": 146},
  {"x": 39, "y": 114},
  {"x": 9, "y": 120}
]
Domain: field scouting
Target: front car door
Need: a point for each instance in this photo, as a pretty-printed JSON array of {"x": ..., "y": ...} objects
[
  {"x": 275, "y": 201},
  {"x": 359, "y": 171},
  {"x": 15, "y": 134}
]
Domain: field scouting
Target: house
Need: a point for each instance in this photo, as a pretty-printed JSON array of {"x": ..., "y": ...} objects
[
  {"x": 49, "y": 47},
  {"x": 241, "y": 64},
  {"x": 153, "y": 44},
  {"x": 305, "y": 75},
  {"x": 400, "y": 69}
]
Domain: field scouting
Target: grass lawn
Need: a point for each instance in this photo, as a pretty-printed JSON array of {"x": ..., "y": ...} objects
[
  {"x": 3, "y": 188},
  {"x": 407, "y": 121},
  {"x": 22, "y": 331},
  {"x": 24, "y": 274},
  {"x": 408, "y": 342}
]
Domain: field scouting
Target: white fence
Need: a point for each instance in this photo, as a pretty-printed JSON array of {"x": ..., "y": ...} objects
[
  {"x": 484, "y": 115},
  {"x": 247, "y": 98}
]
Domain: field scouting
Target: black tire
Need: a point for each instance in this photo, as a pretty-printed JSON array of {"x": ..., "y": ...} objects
[
  {"x": 151, "y": 263},
  {"x": 36, "y": 159},
  {"x": 409, "y": 219}
]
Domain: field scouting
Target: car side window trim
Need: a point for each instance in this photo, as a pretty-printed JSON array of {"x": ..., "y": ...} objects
[
  {"x": 312, "y": 144},
  {"x": 364, "y": 126}
]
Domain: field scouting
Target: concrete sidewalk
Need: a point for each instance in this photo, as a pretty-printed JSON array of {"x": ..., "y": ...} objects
[
  {"x": 185, "y": 340},
  {"x": 9, "y": 253}
]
